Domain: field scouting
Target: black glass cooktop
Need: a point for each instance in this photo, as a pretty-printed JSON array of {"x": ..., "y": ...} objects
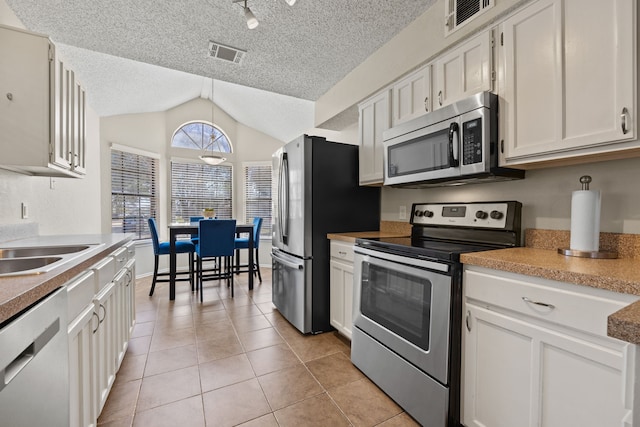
[{"x": 424, "y": 248}]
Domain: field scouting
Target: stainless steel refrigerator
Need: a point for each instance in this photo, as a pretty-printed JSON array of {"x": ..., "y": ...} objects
[{"x": 315, "y": 192}]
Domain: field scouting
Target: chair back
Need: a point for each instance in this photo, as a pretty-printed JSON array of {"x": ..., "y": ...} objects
[
  {"x": 217, "y": 237},
  {"x": 257, "y": 225},
  {"x": 195, "y": 218},
  {"x": 154, "y": 236}
]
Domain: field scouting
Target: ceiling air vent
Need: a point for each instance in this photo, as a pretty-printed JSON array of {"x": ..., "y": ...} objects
[
  {"x": 226, "y": 53},
  {"x": 461, "y": 12}
]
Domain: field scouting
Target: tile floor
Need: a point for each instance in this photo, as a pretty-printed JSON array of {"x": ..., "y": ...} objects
[{"x": 227, "y": 362}]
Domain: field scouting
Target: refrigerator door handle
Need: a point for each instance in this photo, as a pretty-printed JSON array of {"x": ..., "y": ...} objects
[
  {"x": 285, "y": 262},
  {"x": 284, "y": 217}
]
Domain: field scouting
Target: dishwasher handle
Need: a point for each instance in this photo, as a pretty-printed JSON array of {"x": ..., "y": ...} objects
[{"x": 14, "y": 367}]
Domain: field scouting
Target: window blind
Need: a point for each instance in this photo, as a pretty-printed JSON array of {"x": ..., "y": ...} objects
[
  {"x": 257, "y": 196},
  {"x": 133, "y": 192},
  {"x": 195, "y": 186}
]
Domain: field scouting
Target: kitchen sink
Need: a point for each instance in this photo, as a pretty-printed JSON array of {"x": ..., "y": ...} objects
[
  {"x": 40, "y": 251},
  {"x": 13, "y": 266}
]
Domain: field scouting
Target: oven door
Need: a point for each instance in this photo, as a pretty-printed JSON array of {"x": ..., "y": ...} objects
[{"x": 404, "y": 303}]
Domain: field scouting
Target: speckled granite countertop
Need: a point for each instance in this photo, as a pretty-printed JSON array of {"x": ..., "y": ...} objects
[
  {"x": 540, "y": 258},
  {"x": 387, "y": 229},
  {"x": 19, "y": 292}
]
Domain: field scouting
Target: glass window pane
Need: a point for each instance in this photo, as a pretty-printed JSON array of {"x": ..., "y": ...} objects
[{"x": 133, "y": 192}]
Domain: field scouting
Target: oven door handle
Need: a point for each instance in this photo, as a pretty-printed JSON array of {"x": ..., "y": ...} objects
[
  {"x": 406, "y": 260},
  {"x": 453, "y": 147}
]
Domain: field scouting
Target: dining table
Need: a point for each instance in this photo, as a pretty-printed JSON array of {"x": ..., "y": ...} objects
[{"x": 191, "y": 228}]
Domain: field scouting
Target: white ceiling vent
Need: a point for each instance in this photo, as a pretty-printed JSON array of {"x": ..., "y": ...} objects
[
  {"x": 461, "y": 12},
  {"x": 226, "y": 53}
]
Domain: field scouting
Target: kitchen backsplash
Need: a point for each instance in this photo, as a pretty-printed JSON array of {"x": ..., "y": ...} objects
[
  {"x": 11, "y": 232},
  {"x": 625, "y": 245}
]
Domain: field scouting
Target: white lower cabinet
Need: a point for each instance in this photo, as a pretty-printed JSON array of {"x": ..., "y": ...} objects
[
  {"x": 102, "y": 308},
  {"x": 341, "y": 301},
  {"x": 528, "y": 362}
]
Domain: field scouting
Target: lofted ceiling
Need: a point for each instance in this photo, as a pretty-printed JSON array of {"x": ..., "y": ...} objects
[{"x": 147, "y": 56}]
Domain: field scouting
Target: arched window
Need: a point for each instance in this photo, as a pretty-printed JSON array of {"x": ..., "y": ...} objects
[{"x": 197, "y": 136}]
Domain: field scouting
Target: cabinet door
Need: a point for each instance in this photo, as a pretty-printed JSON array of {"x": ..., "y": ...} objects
[
  {"x": 105, "y": 344},
  {"x": 463, "y": 71},
  {"x": 24, "y": 88},
  {"x": 566, "y": 86},
  {"x": 130, "y": 298},
  {"x": 375, "y": 117},
  {"x": 412, "y": 96},
  {"x": 79, "y": 161},
  {"x": 497, "y": 370},
  {"x": 341, "y": 301},
  {"x": 82, "y": 368},
  {"x": 517, "y": 372},
  {"x": 62, "y": 126},
  {"x": 336, "y": 292}
]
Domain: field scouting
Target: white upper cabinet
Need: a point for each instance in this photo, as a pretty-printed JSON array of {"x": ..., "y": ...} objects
[
  {"x": 567, "y": 80},
  {"x": 375, "y": 117},
  {"x": 463, "y": 71},
  {"x": 412, "y": 96},
  {"x": 42, "y": 108}
]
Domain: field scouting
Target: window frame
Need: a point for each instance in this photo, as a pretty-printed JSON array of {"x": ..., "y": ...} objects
[
  {"x": 197, "y": 164},
  {"x": 265, "y": 232},
  {"x": 142, "y": 230}
]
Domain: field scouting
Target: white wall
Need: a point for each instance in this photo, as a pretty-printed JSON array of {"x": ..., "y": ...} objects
[
  {"x": 72, "y": 206},
  {"x": 152, "y": 132},
  {"x": 545, "y": 195},
  {"x": 417, "y": 44}
]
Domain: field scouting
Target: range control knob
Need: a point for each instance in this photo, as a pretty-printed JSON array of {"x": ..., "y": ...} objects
[
  {"x": 419, "y": 213},
  {"x": 481, "y": 214},
  {"x": 428, "y": 214},
  {"x": 496, "y": 214}
]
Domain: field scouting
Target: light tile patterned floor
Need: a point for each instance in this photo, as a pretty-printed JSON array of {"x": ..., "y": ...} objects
[{"x": 227, "y": 362}]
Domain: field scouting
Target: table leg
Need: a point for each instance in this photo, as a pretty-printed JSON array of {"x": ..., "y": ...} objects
[
  {"x": 172, "y": 265},
  {"x": 251, "y": 261}
]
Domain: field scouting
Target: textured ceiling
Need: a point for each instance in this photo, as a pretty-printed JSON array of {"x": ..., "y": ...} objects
[{"x": 151, "y": 55}]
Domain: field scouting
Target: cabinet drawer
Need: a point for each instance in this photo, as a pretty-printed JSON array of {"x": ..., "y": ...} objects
[
  {"x": 343, "y": 251},
  {"x": 104, "y": 270},
  {"x": 579, "y": 307},
  {"x": 80, "y": 292},
  {"x": 120, "y": 257}
]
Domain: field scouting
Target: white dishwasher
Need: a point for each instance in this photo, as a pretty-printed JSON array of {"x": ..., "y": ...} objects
[{"x": 34, "y": 372}]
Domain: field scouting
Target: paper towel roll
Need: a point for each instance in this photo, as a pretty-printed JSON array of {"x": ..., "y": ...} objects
[{"x": 585, "y": 220}]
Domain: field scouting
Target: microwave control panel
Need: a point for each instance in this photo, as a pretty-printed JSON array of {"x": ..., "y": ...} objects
[{"x": 472, "y": 142}]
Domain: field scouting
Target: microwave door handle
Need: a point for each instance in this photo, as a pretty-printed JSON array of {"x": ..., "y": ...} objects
[{"x": 453, "y": 147}]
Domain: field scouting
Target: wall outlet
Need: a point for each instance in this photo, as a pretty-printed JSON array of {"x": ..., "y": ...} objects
[
  {"x": 25, "y": 212},
  {"x": 403, "y": 212}
]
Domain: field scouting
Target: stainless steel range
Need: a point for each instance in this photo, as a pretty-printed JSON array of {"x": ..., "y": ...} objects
[{"x": 408, "y": 303}]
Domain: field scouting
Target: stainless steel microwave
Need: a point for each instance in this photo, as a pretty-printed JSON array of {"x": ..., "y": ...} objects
[{"x": 452, "y": 145}]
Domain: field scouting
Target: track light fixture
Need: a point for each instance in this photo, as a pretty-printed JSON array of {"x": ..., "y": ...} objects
[{"x": 252, "y": 21}]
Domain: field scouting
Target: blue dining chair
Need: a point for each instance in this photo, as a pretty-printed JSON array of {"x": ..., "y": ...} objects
[
  {"x": 163, "y": 248},
  {"x": 216, "y": 240},
  {"x": 192, "y": 219},
  {"x": 243, "y": 243}
]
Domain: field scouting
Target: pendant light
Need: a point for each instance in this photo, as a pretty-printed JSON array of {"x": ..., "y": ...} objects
[{"x": 212, "y": 158}]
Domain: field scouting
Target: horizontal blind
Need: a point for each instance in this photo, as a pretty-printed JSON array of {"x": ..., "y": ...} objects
[
  {"x": 133, "y": 192},
  {"x": 195, "y": 186},
  {"x": 257, "y": 193}
]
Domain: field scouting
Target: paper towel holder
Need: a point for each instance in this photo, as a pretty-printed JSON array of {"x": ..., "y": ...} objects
[{"x": 585, "y": 180}]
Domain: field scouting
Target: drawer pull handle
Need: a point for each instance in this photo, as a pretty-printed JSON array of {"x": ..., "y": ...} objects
[
  {"x": 342, "y": 253},
  {"x": 543, "y": 304}
]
